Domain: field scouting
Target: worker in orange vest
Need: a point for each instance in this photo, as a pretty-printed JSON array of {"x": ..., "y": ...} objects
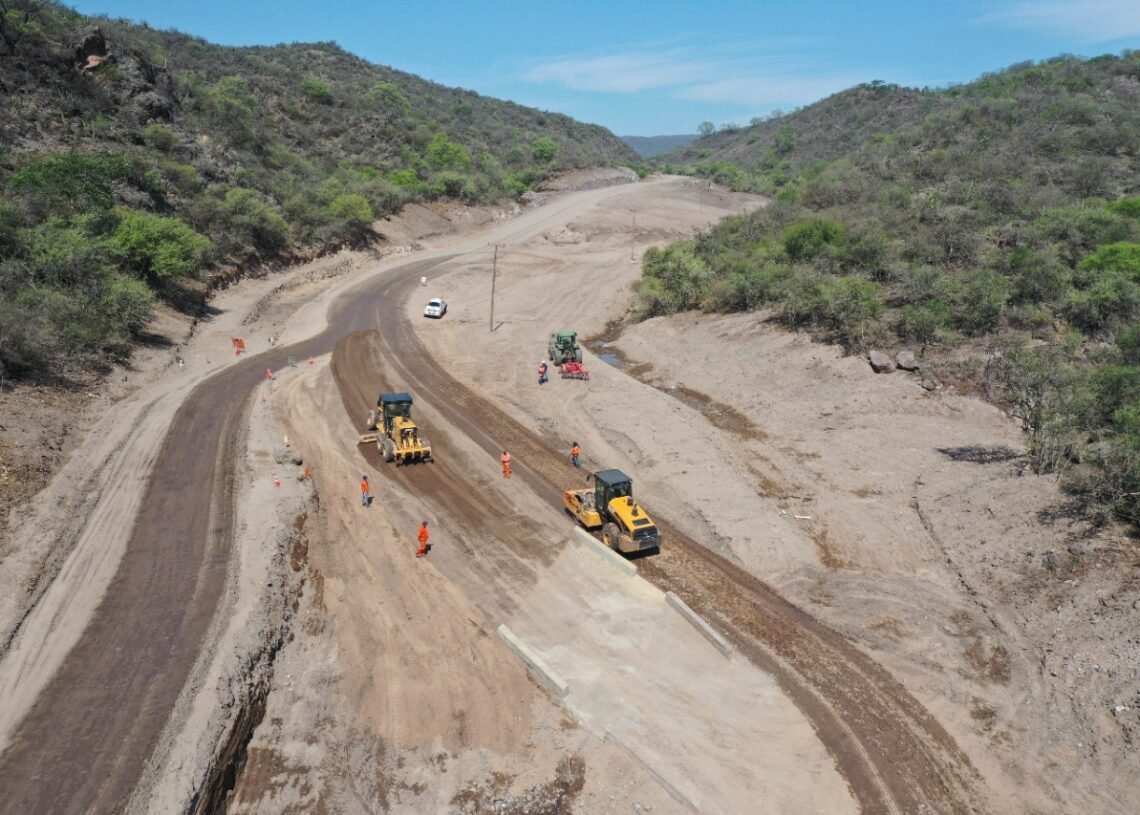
[
  {"x": 575, "y": 451},
  {"x": 365, "y": 497},
  {"x": 422, "y": 537},
  {"x": 506, "y": 459}
]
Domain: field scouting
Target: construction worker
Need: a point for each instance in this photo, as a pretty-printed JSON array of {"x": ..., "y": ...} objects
[
  {"x": 422, "y": 537},
  {"x": 541, "y": 372},
  {"x": 506, "y": 459},
  {"x": 365, "y": 491},
  {"x": 575, "y": 451}
]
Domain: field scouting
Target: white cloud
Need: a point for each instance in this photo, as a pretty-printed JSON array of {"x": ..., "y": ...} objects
[
  {"x": 756, "y": 91},
  {"x": 621, "y": 73},
  {"x": 750, "y": 76},
  {"x": 1087, "y": 20}
]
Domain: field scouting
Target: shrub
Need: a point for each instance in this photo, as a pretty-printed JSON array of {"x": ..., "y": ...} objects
[
  {"x": 159, "y": 248},
  {"x": 355, "y": 211},
  {"x": 806, "y": 239},
  {"x": 160, "y": 137},
  {"x": 124, "y": 307},
  {"x": 316, "y": 91},
  {"x": 543, "y": 149},
  {"x": 67, "y": 183},
  {"x": 442, "y": 153},
  {"x": 923, "y": 322},
  {"x": 254, "y": 221},
  {"x": 980, "y": 301},
  {"x": 683, "y": 275},
  {"x": 1128, "y": 207},
  {"x": 1109, "y": 288}
]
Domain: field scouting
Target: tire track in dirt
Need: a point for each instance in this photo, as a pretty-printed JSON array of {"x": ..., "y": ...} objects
[
  {"x": 83, "y": 746},
  {"x": 895, "y": 756}
]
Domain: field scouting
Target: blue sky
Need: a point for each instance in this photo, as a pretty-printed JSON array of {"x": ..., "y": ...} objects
[{"x": 663, "y": 67}]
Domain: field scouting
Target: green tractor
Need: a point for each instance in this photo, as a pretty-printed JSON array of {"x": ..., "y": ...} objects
[{"x": 563, "y": 347}]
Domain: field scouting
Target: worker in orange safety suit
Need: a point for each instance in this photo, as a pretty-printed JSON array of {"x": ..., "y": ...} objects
[
  {"x": 422, "y": 537},
  {"x": 506, "y": 459}
]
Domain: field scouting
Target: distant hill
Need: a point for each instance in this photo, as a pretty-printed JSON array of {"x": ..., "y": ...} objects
[
  {"x": 1000, "y": 217},
  {"x": 133, "y": 161},
  {"x": 650, "y": 146}
]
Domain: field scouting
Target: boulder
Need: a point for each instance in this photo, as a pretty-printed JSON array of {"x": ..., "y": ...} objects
[
  {"x": 906, "y": 361},
  {"x": 881, "y": 363},
  {"x": 90, "y": 48},
  {"x": 930, "y": 383},
  {"x": 286, "y": 455}
]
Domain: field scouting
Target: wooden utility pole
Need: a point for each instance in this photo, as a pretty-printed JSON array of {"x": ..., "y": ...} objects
[{"x": 494, "y": 272}]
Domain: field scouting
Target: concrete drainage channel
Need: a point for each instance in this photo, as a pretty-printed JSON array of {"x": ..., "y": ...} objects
[{"x": 549, "y": 678}]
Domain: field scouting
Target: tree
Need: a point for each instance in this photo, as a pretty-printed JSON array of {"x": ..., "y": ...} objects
[
  {"x": 785, "y": 140},
  {"x": 66, "y": 183},
  {"x": 543, "y": 149},
  {"x": 442, "y": 153},
  {"x": 355, "y": 211},
  {"x": 20, "y": 19},
  {"x": 317, "y": 91},
  {"x": 706, "y": 128},
  {"x": 231, "y": 102},
  {"x": 392, "y": 104},
  {"x": 254, "y": 221},
  {"x": 159, "y": 248}
]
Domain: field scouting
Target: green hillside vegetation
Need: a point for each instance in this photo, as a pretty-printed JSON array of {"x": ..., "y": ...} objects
[
  {"x": 134, "y": 161},
  {"x": 1000, "y": 218}
]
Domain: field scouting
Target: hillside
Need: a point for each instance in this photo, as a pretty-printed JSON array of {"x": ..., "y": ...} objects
[
  {"x": 650, "y": 146},
  {"x": 993, "y": 227},
  {"x": 133, "y": 161}
]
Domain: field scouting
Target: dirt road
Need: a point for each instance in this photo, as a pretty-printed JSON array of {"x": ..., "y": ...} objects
[
  {"x": 894, "y": 755},
  {"x": 144, "y": 629},
  {"x": 119, "y": 684}
]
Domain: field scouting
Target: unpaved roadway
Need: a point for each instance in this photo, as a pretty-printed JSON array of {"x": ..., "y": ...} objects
[
  {"x": 890, "y": 750},
  {"x": 392, "y": 692}
]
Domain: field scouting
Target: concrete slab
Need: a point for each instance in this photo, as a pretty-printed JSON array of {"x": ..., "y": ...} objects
[
  {"x": 699, "y": 623},
  {"x": 536, "y": 663},
  {"x": 594, "y": 545},
  {"x": 720, "y": 736}
]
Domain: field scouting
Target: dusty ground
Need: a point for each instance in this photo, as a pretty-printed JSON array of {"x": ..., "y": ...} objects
[
  {"x": 416, "y": 672},
  {"x": 900, "y": 517}
]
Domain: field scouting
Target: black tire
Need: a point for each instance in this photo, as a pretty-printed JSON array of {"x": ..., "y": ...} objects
[
  {"x": 610, "y": 535},
  {"x": 556, "y": 357},
  {"x": 578, "y": 355},
  {"x": 388, "y": 449}
]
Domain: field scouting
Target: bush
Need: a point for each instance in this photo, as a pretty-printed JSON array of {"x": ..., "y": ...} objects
[
  {"x": 442, "y": 153},
  {"x": 1109, "y": 288},
  {"x": 158, "y": 248},
  {"x": 980, "y": 301},
  {"x": 254, "y": 222},
  {"x": 923, "y": 322},
  {"x": 355, "y": 211},
  {"x": 543, "y": 149},
  {"x": 160, "y": 137},
  {"x": 124, "y": 307},
  {"x": 683, "y": 276},
  {"x": 807, "y": 239},
  {"x": 68, "y": 183},
  {"x": 316, "y": 91}
]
